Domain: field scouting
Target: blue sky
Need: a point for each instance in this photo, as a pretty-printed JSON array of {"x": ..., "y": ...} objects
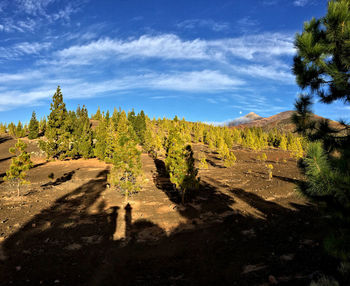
[{"x": 203, "y": 60}]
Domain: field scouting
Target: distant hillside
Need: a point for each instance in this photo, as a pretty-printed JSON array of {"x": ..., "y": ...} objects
[{"x": 281, "y": 121}]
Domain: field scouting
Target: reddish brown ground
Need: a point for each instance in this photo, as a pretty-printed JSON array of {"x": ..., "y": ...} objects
[{"x": 239, "y": 229}]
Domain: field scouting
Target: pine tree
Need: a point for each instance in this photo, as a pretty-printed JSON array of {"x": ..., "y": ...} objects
[
  {"x": 12, "y": 129},
  {"x": 322, "y": 67},
  {"x": 2, "y": 128},
  {"x": 19, "y": 165},
  {"x": 126, "y": 173},
  {"x": 203, "y": 164},
  {"x": 56, "y": 126},
  {"x": 33, "y": 127},
  {"x": 179, "y": 163},
  {"x": 85, "y": 140},
  {"x": 153, "y": 140},
  {"x": 42, "y": 126},
  {"x": 68, "y": 145},
  {"x": 283, "y": 142},
  {"x": 101, "y": 138},
  {"x": 97, "y": 115},
  {"x": 19, "y": 130},
  {"x": 140, "y": 127}
]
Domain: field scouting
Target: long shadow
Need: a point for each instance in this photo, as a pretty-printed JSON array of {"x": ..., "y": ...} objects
[
  {"x": 39, "y": 165},
  {"x": 212, "y": 163},
  {"x": 4, "y": 139},
  {"x": 70, "y": 244},
  {"x": 200, "y": 202},
  {"x": 66, "y": 177},
  {"x": 5, "y": 159},
  {"x": 268, "y": 208},
  {"x": 63, "y": 238},
  {"x": 290, "y": 180}
]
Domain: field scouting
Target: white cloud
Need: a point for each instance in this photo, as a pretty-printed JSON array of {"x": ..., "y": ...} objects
[
  {"x": 300, "y": 3},
  {"x": 23, "y": 49},
  {"x": 257, "y": 46},
  {"x": 204, "y": 23},
  {"x": 165, "y": 46},
  {"x": 34, "y": 7},
  {"x": 247, "y": 24},
  {"x": 276, "y": 73},
  {"x": 200, "y": 81},
  {"x": 206, "y": 80},
  {"x": 170, "y": 46},
  {"x": 205, "y": 67},
  {"x": 27, "y": 76}
]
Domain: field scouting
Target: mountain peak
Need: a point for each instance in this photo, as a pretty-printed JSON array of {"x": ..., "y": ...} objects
[{"x": 251, "y": 116}]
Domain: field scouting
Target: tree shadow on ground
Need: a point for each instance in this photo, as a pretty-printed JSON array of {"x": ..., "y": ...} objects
[
  {"x": 290, "y": 180},
  {"x": 72, "y": 244},
  {"x": 39, "y": 165},
  {"x": 5, "y": 159},
  {"x": 4, "y": 139},
  {"x": 212, "y": 163},
  {"x": 66, "y": 177}
]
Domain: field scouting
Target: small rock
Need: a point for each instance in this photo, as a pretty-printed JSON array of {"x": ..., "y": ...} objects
[
  {"x": 287, "y": 257},
  {"x": 248, "y": 232},
  {"x": 252, "y": 268},
  {"x": 272, "y": 280},
  {"x": 307, "y": 242},
  {"x": 74, "y": 246}
]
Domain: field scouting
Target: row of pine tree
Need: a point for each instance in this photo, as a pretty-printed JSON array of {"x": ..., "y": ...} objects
[{"x": 120, "y": 138}]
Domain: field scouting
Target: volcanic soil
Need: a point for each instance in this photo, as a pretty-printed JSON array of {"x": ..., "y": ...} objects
[{"x": 239, "y": 228}]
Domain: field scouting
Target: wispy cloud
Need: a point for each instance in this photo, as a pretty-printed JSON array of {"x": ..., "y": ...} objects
[
  {"x": 277, "y": 73},
  {"x": 194, "y": 82},
  {"x": 32, "y": 14},
  {"x": 167, "y": 46},
  {"x": 34, "y": 7},
  {"x": 247, "y": 24},
  {"x": 22, "y": 49},
  {"x": 203, "y": 23},
  {"x": 170, "y": 46},
  {"x": 194, "y": 67},
  {"x": 301, "y": 3}
]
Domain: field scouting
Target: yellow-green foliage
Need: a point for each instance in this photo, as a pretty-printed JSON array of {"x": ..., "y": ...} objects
[
  {"x": 230, "y": 160},
  {"x": 295, "y": 146},
  {"x": 153, "y": 140},
  {"x": 19, "y": 165},
  {"x": 126, "y": 173},
  {"x": 269, "y": 171},
  {"x": 2, "y": 128},
  {"x": 179, "y": 163},
  {"x": 225, "y": 154},
  {"x": 203, "y": 164}
]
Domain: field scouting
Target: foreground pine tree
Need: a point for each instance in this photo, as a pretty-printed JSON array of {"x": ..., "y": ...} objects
[
  {"x": 322, "y": 67},
  {"x": 179, "y": 163},
  {"x": 126, "y": 173},
  {"x": 55, "y": 126},
  {"x": 33, "y": 127},
  {"x": 19, "y": 165}
]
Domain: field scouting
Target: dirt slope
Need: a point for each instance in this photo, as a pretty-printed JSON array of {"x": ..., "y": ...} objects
[{"x": 238, "y": 229}]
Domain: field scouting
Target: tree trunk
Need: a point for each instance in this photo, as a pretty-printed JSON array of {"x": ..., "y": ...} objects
[{"x": 183, "y": 197}]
